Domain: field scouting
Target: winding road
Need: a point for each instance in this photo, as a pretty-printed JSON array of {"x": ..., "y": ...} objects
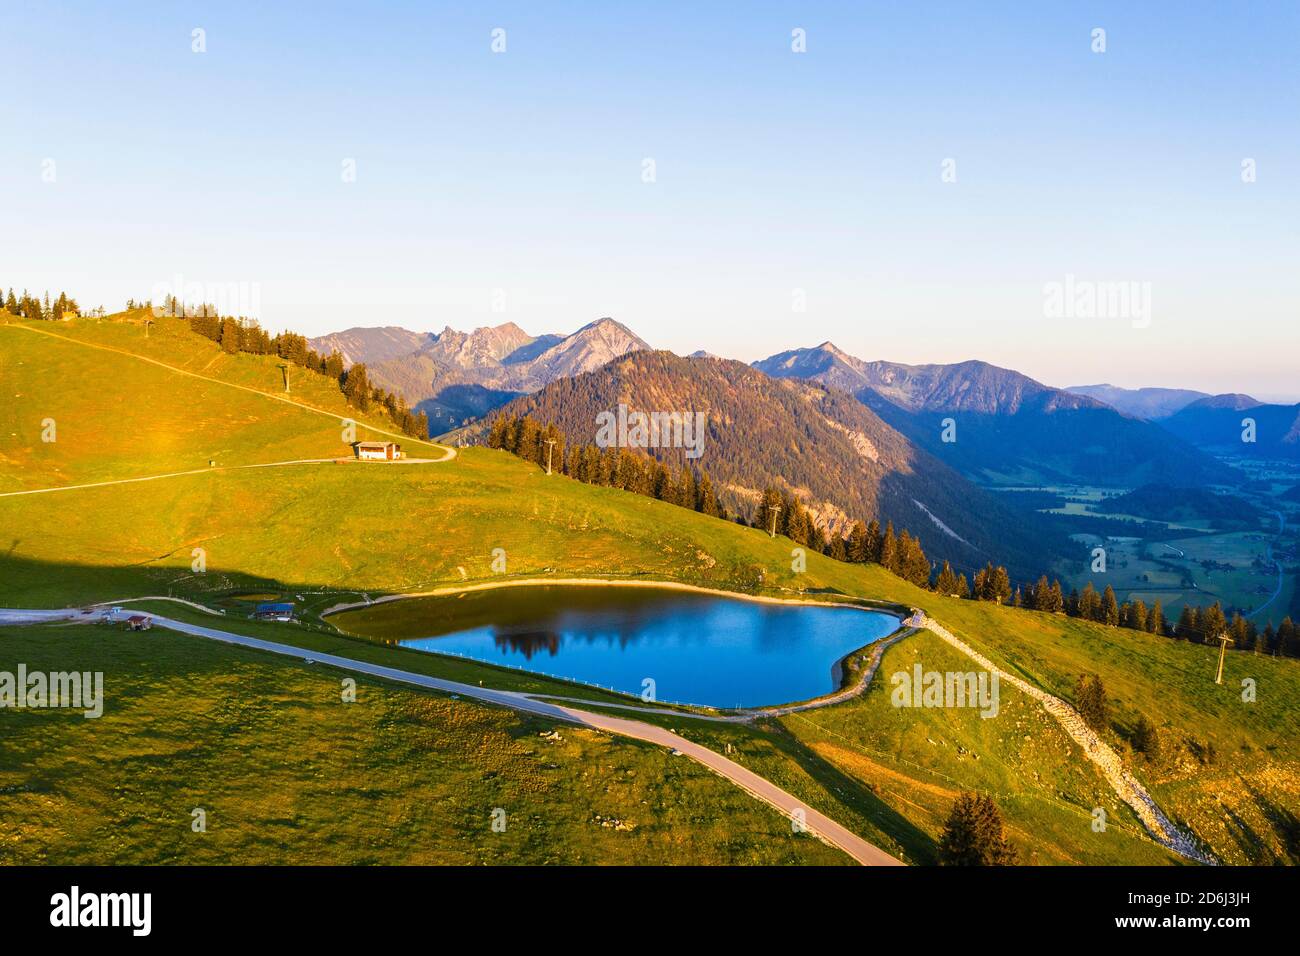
[
  {"x": 216, "y": 468},
  {"x": 448, "y": 452},
  {"x": 1125, "y": 785},
  {"x": 811, "y": 820},
  {"x": 1281, "y": 574}
]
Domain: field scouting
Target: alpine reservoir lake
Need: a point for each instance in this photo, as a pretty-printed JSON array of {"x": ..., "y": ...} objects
[{"x": 697, "y": 648}]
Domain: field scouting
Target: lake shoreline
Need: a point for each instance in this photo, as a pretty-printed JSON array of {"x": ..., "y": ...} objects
[
  {"x": 865, "y": 604},
  {"x": 887, "y": 620}
]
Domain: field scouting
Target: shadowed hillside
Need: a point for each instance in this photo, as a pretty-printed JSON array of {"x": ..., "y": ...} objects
[
  {"x": 1006, "y": 428},
  {"x": 819, "y": 443}
]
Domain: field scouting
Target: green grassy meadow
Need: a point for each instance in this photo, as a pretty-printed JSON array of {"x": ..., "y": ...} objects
[
  {"x": 322, "y": 534},
  {"x": 289, "y": 774}
]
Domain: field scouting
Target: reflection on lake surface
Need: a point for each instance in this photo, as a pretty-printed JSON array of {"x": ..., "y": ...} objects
[{"x": 696, "y": 648}]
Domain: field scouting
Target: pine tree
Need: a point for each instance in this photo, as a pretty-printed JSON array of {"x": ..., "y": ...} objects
[
  {"x": 1109, "y": 607},
  {"x": 229, "y": 336},
  {"x": 356, "y": 387},
  {"x": 707, "y": 500},
  {"x": 1156, "y": 619},
  {"x": 916, "y": 566},
  {"x": 1267, "y": 641},
  {"x": 874, "y": 541},
  {"x": 889, "y": 550},
  {"x": 1042, "y": 595},
  {"x": 591, "y": 465},
  {"x": 1133, "y": 615},
  {"x": 1243, "y": 637},
  {"x": 1288, "y": 638},
  {"x": 1210, "y": 623},
  {"x": 858, "y": 546},
  {"x": 333, "y": 365},
  {"x": 1057, "y": 602},
  {"x": 1146, "y": 739},
  {"x": 1090, "y": 701},
  {"x": 838, "y": 551},
  {"x": 974, "y": 834},
  {"x": 947, "y": 581},
  {"x": 1001, "y": 585},
  {"x": 1090, "y": 603}
]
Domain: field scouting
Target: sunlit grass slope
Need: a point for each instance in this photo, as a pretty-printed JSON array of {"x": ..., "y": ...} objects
[
  {"x": 288, "y": 773},
  {"x": 73, "y": 410},
  {"x": 330, "y": 532}
]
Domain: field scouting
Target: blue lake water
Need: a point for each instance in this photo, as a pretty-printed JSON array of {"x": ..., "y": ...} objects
[{"x": 697, "y": 648}]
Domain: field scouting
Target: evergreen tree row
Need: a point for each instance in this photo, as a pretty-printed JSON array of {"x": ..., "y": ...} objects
[
  {"x": 612, "y": 467},
  {"x": 778, "y": 511},
  {"x": 29, "y": 307},
  {"x": 246, "y": 335}
]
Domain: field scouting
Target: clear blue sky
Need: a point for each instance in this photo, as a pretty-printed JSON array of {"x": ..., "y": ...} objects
[{"x": 776, "y": 171}]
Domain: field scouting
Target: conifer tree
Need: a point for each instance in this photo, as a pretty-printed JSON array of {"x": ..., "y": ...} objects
[
  {"x": 858, "y": 545},
  {"x": 1146, "y": 739},
  {"x": 974, "y": 834},
  {"x": 837, "y": 550},
  {"x": 889, "y": 550},
  {"x": 356, "y": 388},
  {"x": 1156, "y": 619},
  {"x": 1210, "y": 623},
  {"x": 708, "y": 500},
  {"x": 1001, "y": 585},
  {"x": 1288, "y": 638},
  {"x": 1042, "y": 595},
  {"x": 874, "y": 541},
  {"x": 1109, "y": 607},
  {"x": 946, "y": 583},
  {"x": 1090, "y": 700}
]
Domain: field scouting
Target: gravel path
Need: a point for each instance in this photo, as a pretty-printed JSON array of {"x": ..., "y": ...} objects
[{"x": 1095, "y": 749}]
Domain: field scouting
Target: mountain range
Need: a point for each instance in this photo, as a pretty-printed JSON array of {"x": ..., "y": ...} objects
[
  {"x": 915, "y": 444},
  {"x": 453, "y": 376},
  {"x": 1149, "y": 403},
  {"x": 838, "y": 455},
  {"x": 1240, "y": 427},
  {"x": 1213, "y": 423},
  {"x": 1000, "y": 427}
]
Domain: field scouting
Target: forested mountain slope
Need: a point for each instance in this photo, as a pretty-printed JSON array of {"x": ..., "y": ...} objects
[{"x": 836, "y": 454}]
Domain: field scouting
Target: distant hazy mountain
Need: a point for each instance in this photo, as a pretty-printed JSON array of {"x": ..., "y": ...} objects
[
  {"x": 367, "y": 345},
  {"x": 454, "y": 375},
  {"x": 1148, "y": 403},
  {"x": 839, "y": 456},
  {"x": 1230, "y": 400},
  {"x": 483, "y": 348},
  {"x": 1008, "y": 428},
  {"x": 1219, "y": 424}
]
